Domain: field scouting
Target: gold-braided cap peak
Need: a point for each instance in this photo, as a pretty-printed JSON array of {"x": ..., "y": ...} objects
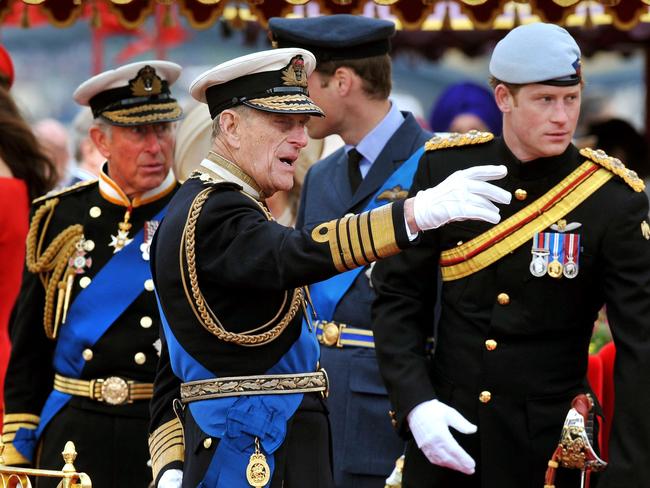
[
  {"x": 457, "y": 139},
  {"x": 614, "y": 165}
]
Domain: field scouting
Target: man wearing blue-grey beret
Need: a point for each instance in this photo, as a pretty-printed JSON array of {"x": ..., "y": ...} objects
[
  {"x": 519, "y": 298},
  {"x": 352, "y": 82}
]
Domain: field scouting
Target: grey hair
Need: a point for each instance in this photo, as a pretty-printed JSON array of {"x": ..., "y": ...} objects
[{"x": 242, "y": 110}]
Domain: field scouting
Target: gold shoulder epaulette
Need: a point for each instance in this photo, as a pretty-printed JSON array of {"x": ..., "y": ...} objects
[
  {"x": 64, "y": 191},
  {"x": 614, "y": 165},
  {"x": 456, "y": 139}
]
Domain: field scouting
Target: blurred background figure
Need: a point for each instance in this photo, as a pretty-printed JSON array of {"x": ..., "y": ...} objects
[
  {"x": 618, "y": 138},
  {"x": 463, "y": 107},
  {"x": 87, "y": 157},
  {"x": 25, "y": 173},
  {"x": 408, "y": 103},
  {"x": 53, "y": 138}
]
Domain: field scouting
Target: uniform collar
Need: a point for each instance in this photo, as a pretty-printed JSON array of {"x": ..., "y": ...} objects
[
  {"x": 229, "y": 171},
  {"x": 114, "y": 194},
  {"x": 537, "y": 168},
  {"x": 374, "y": 141}
]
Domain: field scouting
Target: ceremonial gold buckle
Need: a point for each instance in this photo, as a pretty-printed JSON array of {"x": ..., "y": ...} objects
[
  {"x": 114, "y": 390},
  {"x": 331, "y": 335}
]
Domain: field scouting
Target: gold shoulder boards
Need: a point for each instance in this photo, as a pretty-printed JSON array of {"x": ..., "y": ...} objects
[
  {"x": 65, "y": 191},
  {"x": 455, "y": 139},
  {"x": 166, "y": 445},
  {"x": 614, "y": 165}
]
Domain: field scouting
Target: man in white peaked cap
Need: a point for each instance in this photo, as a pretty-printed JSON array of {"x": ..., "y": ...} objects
[{"x": 86, "y": 325}]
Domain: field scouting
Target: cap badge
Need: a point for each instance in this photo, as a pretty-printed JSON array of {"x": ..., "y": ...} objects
[
  {"x": 294, "y": 73},
  {"x": 146, "y": 83},
  {"x": 577, "y": 65}
]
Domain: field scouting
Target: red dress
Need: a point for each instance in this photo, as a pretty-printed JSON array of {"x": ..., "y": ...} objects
[{"x": 14, "y": 223}]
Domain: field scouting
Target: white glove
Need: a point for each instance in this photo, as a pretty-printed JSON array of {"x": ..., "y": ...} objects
[
  {"x": 429, "y": 423},
  {"x": 172, "y": 478},
  {"x": 463, "y": 195}
]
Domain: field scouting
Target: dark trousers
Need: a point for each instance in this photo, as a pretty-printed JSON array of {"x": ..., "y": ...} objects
[
  {"x": 111, "y": 449},
  {"x": 420, "y": 473},
  {"x": 303, "y": 460}
]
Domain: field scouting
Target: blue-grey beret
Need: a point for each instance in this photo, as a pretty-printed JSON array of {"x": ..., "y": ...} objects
[
  {"x": 334, "y": 37},
  {"x": 537, "y": 53}
]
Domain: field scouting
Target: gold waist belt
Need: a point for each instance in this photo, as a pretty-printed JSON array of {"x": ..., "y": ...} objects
[
  {"x": 266, "y": 384},
  {"x": 112, "y": 390}
]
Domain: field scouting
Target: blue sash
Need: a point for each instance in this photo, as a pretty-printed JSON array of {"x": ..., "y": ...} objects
[
  {"x": 236, "y": 421},
  {"x": 91, "y": 314},
  {"x": 328, "y": 293}
]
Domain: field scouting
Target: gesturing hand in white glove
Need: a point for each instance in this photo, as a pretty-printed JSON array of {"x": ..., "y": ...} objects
[
  {"x": 463, "y": 195},
  {"x": 172, "y": 478},
  {"x": 429, "y": 423}
]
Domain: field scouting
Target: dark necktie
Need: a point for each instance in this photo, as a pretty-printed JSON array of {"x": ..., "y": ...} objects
[{"x": 354, "y": 173}]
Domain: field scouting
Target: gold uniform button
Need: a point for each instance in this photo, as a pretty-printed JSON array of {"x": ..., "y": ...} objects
[
  {"x": 521, "y": 194},
  {"x": 490, "y": 344},
  {"x": 503, "y": 299},
  {"x": 95, "y": 212},
  {"x": 485, "y": 396},
  {"x": 146, "y": 322},
  {"x": 207, "y": 442},
  {"x": 84, "y": 282},
  {"x": 148, "y": 285},
  {"x": 87, "y": 354},
  {"x": 89, "y": 245},
  {"x": 140, "y": 358}
]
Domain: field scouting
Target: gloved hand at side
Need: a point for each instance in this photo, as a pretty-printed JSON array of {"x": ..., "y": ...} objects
[
  {"x": 172, "y": 478},
  {"x": 429, "y": 422}
]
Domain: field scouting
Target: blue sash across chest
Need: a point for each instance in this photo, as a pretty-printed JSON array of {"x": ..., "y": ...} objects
[
  {"x": 328, "y": 293},
  {"x": 91, "y": 314},
  {"x": 237, "y": 421}
]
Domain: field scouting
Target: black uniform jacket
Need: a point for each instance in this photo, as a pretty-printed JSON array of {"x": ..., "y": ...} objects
[
  {"x": 30, "y": 374},
  {"x": 247, "y": 268},
  {"x": 542, "y": 326}
]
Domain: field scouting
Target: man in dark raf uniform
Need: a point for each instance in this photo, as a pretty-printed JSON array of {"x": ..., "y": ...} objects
[
  {"x": 239, "y": 335},
  {"x": 86, "y": 326},
  {"x": 519, "y": 299},
  {"x": 352, "y": 82}
]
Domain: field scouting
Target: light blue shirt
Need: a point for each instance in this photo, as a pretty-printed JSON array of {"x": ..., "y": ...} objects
[{"x": 373, "y": 143}]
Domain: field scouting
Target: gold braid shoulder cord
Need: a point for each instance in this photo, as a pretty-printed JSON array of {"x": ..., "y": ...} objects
[
  {"x": 200, "y": 307},
  {"x": 52, "y": 264}
]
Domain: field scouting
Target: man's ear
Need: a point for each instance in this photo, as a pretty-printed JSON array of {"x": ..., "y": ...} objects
[
  {"x": 101, "y": 140},
  {"x": 504, "y": 99},
  {"x": 230, "y": 125},
  {"x": 344, "y": 78}
]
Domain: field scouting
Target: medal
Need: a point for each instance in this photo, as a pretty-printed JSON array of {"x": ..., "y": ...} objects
[
  {"x": 122, "y": 238},
  {"x": 150, "y": 227},
  {"x": 539, "y": 263},
  {"x": 79, "y": 261},
  {"x": 258, "y": 473},
  {"x": 555, "y": 266},
  {"x": 573, "y": 249}
]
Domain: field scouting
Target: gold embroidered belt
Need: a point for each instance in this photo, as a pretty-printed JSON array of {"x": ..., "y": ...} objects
[
  {"x": 515, "y": 231},
  {"x": 112, "y": 390},
  {"x": 265, "y": 384}
]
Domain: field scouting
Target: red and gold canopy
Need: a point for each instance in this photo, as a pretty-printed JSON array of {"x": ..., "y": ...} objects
[{"x": 411, "y": 14}]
